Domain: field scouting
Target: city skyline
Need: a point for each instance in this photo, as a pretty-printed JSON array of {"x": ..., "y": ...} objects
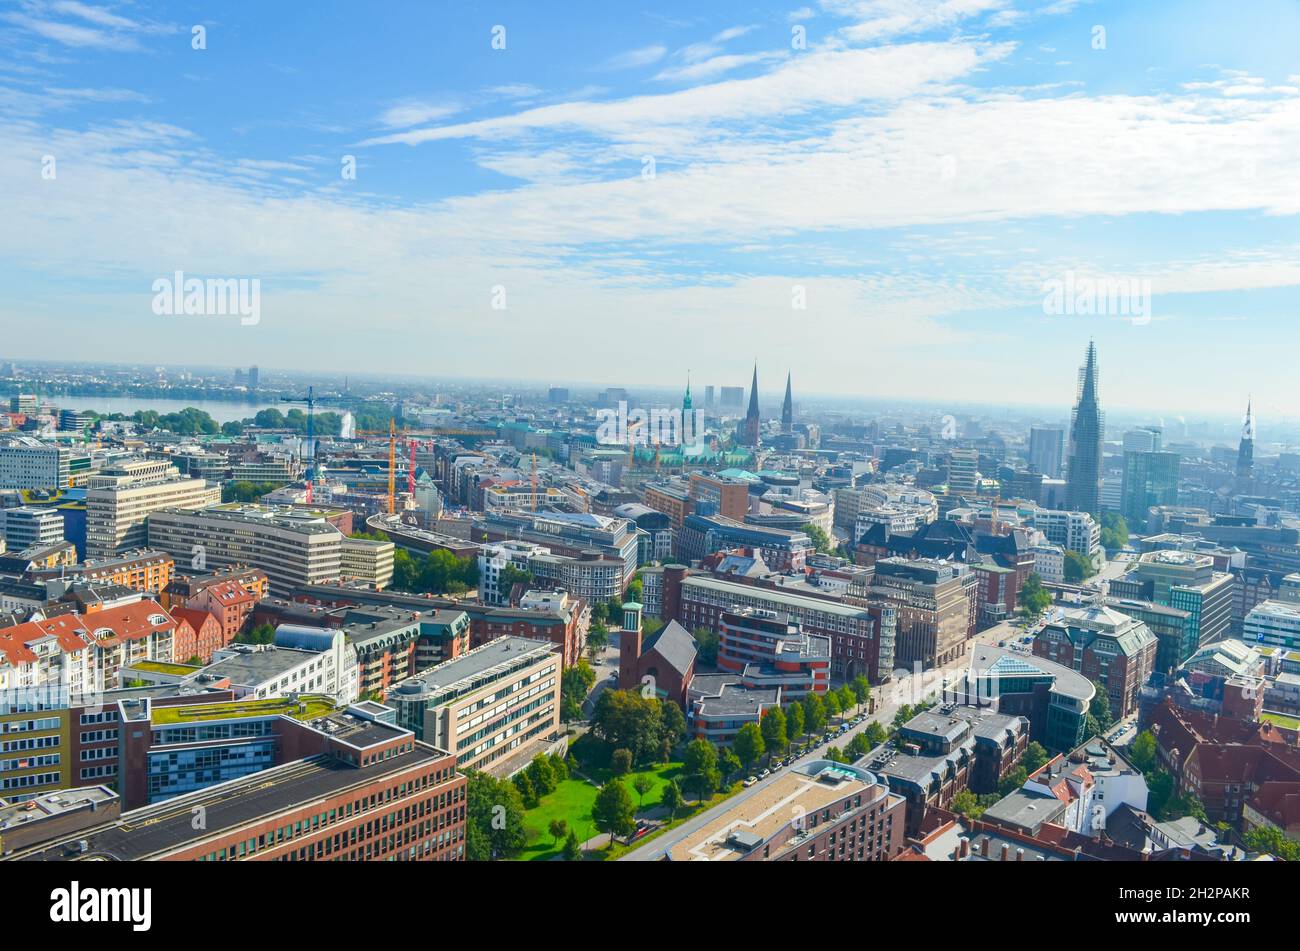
[{"x": 903, "y": 180}]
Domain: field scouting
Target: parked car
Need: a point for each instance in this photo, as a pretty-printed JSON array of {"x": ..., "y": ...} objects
[{"x": 750, "y": 781}]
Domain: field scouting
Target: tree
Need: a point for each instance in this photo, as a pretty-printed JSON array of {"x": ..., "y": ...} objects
[
  {"x": 1099, "y": 718},
  {"x": 671, "y": 798},
  {"x": 494, "y": 818},
  {"x": 1034, "y": 757},
  {"x": 836, "y": 755},
  {"x": 262, "y": 634},
  {"x": 1271, "y": 840},
  {"x": 772, "y": 725},
  {"x": 749, "y": 745},
  {"x": 706, "y": 646},
  {"x": 628, "y": 720},
  {"x": 613, "y": 811},
  {"x": 1160, "y": 791},
  {"x": 967, "y": 804},
  {"x": 1034, "y": 599},
  {"x": 1013, "y": 781},
  {"x": 621, "y": 762},
  {"x": 875, "y": 734},
  {"x": 902, "y": 715},
  {"x": 527, "y": 791},
  {"x": 597, "y": 638},
  {"x": 819, "y": 538},
  {"x": 1077, "y": 567},
  {"x": 559, "y": 767},
  {"x": 642, "y": 784},
  {"x": 509, "y": 576},
  {"x": 794, "y": 721},
  {"x": 672, "y": 721},
  {"x": 728, "y": 762},
  {"x": 558, "y": 829},
  {"x": 575, "y": 684},
  {"x": 861, "y": 690},
  {"x": 814, "y": 713},
  {"x": 1114, "y": 532},
  {"x": 1142, "y": 752},
  {"x": 700, "y": 760},
  {"x": 542, "y": 775},
  {"x": 572, "y": 849},
  {"x": 833, "y": 705}
]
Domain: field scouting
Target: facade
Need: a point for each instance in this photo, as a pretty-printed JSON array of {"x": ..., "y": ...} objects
[
  {"x": 1150, "y": 478},
  {"x": 1188, "y": 582},
  {"x": 1175, "y": 630},
  {"x": 368, "y": 561},
  {"x": 29, "y": 527},
  {"x": 934, "y": 604},
  {"x": 1275, "y": 623},
  {"x": 665, "y": 661},
  {"x": 1052, "y": 697},
  {"x": 768, "y": 649},
  {"x": 121, "y": 497},
  {"x": 27, "y": 463},
  {"x": 1109, "y": 648},
  {"x": 729, "y": 496},
  {"x": 497, "y": 704},
  {"x": 1074, "y": 531},
  {"x": 1047, "y": 450},
  {"x": 148, "y": 572},
  {"x": 291, "y": 548},
  {"x": 782, "y": 550}
]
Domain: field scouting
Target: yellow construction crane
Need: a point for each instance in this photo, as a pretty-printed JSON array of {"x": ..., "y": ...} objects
[{"x": 392, "y": 467}]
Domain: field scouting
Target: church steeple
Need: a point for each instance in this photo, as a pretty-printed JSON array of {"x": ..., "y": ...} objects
[
  {"x": 787, "y": 408},
  {"x": 1246, "y": 448},
  {"x": 686, "y": 400},
  {"x": 753, "y": 421}
]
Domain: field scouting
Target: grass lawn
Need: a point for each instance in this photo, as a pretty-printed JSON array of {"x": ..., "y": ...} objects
[
  {"x": 1277, "y": 719},
  {"x": 572, "y": 802}
]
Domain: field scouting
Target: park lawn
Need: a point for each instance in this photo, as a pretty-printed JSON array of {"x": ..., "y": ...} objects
[
  {"x": 572, "y": 802},
  {"x": 692, "y": 809}
]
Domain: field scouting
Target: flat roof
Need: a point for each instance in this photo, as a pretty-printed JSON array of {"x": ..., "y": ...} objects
[
  {"x": 304, "y": 708},
  {"x": 255, "y": 667},
  {"x": 154, "y": 831},
  {"x": 772, "y": 807},
  {"x": 477, "y": 663},
  {"x": 779, "y": 596}
]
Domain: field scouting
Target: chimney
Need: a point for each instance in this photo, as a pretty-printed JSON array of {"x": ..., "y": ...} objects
[
  {"x": 1006, "y": 851},
  {"x": 1020, "y": 855},
  {"x": 963, "y": 847}
]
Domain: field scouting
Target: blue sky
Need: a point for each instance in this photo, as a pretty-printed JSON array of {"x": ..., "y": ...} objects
[{"x": 913, "y": 172}]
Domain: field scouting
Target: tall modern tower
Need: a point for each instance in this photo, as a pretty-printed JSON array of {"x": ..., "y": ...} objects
[
  {"x": 753, "y": 422},
  {"x": 1083, "y": 464},
  {"x": 787, "y": 408},
  {"x": 1246, "y": 448}
]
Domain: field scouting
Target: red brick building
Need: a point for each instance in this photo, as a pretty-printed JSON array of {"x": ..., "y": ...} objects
[{"x": 198, "y": 634}]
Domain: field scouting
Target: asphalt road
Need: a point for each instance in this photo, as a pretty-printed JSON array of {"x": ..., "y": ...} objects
[{"x": 908, "y": 689}]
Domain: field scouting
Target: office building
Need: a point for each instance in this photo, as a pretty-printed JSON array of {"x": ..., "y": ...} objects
[
  {"x": 27, "y": 463},
  {"x": 1047, "y": 450},
  {"x": 767, "y": 649},
  {"x": 494, "y": 708},
  {"x": 815, "y": 812},
  {"x": 1187, "y": 581},
  {"x": 30, "y": 527},
  {"x": 1150, "y": 478},
  {"x": 368, "y": 561},
  {"x": 121, "y": 497},
  {"x": 963, "y": 471},
  {"x": 1074, "y": 531},
  {"x": 1109, "y": 648},
  {"x": 934, "y": 605},
  {"x": 292, "y": 548}
]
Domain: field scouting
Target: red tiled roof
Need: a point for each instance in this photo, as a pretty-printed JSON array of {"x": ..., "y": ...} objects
[{"x": 75, "y": 631}]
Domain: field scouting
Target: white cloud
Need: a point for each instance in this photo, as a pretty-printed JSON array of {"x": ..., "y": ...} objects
[{"x": 638, "y": 57}]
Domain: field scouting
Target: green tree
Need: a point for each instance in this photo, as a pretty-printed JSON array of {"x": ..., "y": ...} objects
[
  {"x": 572, "y": 849},
  {"x": 558, "y": 828},
  {"x": 1099, "y": 718},
  {"x": 1142, "y": 752},
  {"x": 626, "y": 719},
  {"x": 1160, "y": 791},
  {"x": 814, "y": 713},
  {"x": 1034, "y": 757},
  {"x": 819, "y": 538},
  {"x": 1078, "y": 568},
  {"x": 700, "y": 760},
  {"x": 749, "y": 745},
  {"x": 706, "y": 646},
  {"x": 728, "y": 762},
  {"x": 642, "y": 784},
  {"x": 1033, "y": 599},
  {"x": 542, "y": 775},
  {"x": 861, "y": 690},
  {"x": 967, "y": 804},
  {"x": 597, "y": 638},
  {"x": 773, "y": 728},
  {"x": 672, "y": 722},
  {"x": 671, "y": 798},
  {"x": 876, "y": 734},
  {"x": 261, "y": 634},
  {"x": 859, "y": 746},
  {"x": 1013, "y": 781},
  {"x": 836, "y": 755},
  {"x": 613, "y": 811},
  {"x": 527, "y": 791},
  {"x": 1114, "y": 532},
  {"x": 1271, "y": 841},
  {"x": 794, "y": 721},
  {"x": 620, "y": 763},
  {"x": 575, "y": 684},
  {"x": 494, "y": 818}
]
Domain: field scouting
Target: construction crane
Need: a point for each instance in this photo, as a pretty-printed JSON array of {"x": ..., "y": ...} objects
[
  {"x": 311, "y": 399},
  {"x": 533, "y": 481},
  {"x": 392, "y": 466}
]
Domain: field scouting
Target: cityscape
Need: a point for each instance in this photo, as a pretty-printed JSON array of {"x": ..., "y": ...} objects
[{"x": 854, "y": 432}]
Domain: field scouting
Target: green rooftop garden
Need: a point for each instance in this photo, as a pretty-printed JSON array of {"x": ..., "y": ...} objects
[
  {"x": 313, "y": 706},
  {"x": 159, "y": 667}
]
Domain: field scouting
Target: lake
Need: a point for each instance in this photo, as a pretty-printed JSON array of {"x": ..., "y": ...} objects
[{"x": 223, "y": 411}]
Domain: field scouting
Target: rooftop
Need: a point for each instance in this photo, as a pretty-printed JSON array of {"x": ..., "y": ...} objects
[{"x": 306, "y": 707}]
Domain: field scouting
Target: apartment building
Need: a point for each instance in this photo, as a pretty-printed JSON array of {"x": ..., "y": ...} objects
[
  {"x": 292, "y": 548},
  {"x": 494, "y": 708},
  {"x": 1074, "y": 531},
  {"x": 121, "y": 497},
  {"x": 148, "y": 572}
]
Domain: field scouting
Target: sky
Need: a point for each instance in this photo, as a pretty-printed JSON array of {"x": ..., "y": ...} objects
[{"x": 875, "y": 195}]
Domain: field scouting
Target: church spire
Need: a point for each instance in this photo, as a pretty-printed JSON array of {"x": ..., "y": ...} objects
[
  {"x": 686, "y": 400},
  {"x": 787, "y": 408},
  {"x": 753, "y": 421}
]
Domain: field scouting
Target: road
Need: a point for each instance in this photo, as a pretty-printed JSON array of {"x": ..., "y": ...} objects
[{"x": 908, "y": 689}]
